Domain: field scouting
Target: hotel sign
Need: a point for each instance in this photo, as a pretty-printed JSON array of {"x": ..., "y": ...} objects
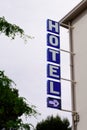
[{"x": 53, "y": 65}]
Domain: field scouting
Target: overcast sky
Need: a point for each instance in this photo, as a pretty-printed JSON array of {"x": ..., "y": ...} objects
[{"x": 26, "y": 64}]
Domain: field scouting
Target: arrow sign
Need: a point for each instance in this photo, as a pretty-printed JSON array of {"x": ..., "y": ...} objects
[{"x": 54, "y": 103}]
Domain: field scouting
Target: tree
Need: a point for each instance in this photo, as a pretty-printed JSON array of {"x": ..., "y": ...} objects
[
  {"x": 11, "y": 30},
  {"x": 53, "y": 123},
  {"x": 12, "y": 106}
]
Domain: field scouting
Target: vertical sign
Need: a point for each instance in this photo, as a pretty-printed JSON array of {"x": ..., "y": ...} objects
[{"x": 53, "y": 66}]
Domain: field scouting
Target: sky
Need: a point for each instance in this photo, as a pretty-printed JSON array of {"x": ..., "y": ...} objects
[{"x": 26, "y": 63}]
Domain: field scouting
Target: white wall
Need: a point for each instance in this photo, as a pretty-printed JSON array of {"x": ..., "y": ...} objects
[{"x": 79, "y": 35}]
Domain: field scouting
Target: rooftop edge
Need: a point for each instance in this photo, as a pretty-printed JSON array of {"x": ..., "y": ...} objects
[{"x": 73, "y": 13}]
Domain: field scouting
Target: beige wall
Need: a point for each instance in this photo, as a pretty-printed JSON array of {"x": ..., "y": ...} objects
[{"x": 79, "y": 35}]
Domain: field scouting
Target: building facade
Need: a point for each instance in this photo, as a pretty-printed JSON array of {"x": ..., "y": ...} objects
[{"x": 76, "y": 22}]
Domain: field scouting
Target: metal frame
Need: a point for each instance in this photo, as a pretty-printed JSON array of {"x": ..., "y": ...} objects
[{"x": 75, "y": 115}]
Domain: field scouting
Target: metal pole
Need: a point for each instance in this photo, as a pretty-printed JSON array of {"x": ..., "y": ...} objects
[
  {"x": 74, "y": 112},
  {"x": 73, "y": 82},
  {"x": 74, "y": 127}
]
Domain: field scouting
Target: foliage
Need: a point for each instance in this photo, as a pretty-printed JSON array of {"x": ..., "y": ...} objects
[
  {"x": 12, "y": 106},
  {"x": 53, "y": 123},
  {"x": 11, "y": 30}
]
